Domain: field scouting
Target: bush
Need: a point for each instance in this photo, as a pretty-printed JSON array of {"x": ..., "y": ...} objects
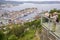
[
  {"x": 2, "y": 36},
  {"x": 18, "y": 31},
  {"x": 12, "y": 37}
]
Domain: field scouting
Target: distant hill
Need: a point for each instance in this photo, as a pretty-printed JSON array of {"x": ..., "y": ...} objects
[
  {"x": 10, "y": 2},
  {"x": 41, "y": 2},
  {"x": 48, "y": 2},
  {"x": 2, "y": 0}
]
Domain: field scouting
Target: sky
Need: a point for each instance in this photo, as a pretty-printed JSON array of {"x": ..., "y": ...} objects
[{"x": 32, "y": 0}]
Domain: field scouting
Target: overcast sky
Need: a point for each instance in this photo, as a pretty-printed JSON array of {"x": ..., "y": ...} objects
[{"x": 32, "y": 0}]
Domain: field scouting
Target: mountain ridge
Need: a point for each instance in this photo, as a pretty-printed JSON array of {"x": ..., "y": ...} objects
[{"x": 37, "y": 2}]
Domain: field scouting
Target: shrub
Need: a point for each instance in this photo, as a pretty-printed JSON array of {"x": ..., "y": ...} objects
[
  {"x": 2, "y": 36},
  {"x": 12, "y": 37}
]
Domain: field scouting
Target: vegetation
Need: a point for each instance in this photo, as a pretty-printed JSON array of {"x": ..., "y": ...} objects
[
  {"x": 2, "y": 36},
  {"x": 12, "y": 37},
  {"x": 24, "y": 31},
  {"x": 55, "y": 10}
]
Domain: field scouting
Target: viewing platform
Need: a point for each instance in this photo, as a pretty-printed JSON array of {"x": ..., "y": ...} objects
[{"x": 47, "y": 29}]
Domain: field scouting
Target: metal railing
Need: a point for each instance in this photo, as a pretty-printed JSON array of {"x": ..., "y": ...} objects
[{"x": 49, "y": 25}]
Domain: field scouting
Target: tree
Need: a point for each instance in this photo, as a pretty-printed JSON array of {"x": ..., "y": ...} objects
[
  {"x": 53, "y": 10},
  {"x": 58, "y": 11},
  {"x": 18, "y": 30}
]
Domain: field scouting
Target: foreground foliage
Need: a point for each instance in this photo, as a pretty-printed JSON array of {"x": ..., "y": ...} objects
[{"x": 24, "y": 31}]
